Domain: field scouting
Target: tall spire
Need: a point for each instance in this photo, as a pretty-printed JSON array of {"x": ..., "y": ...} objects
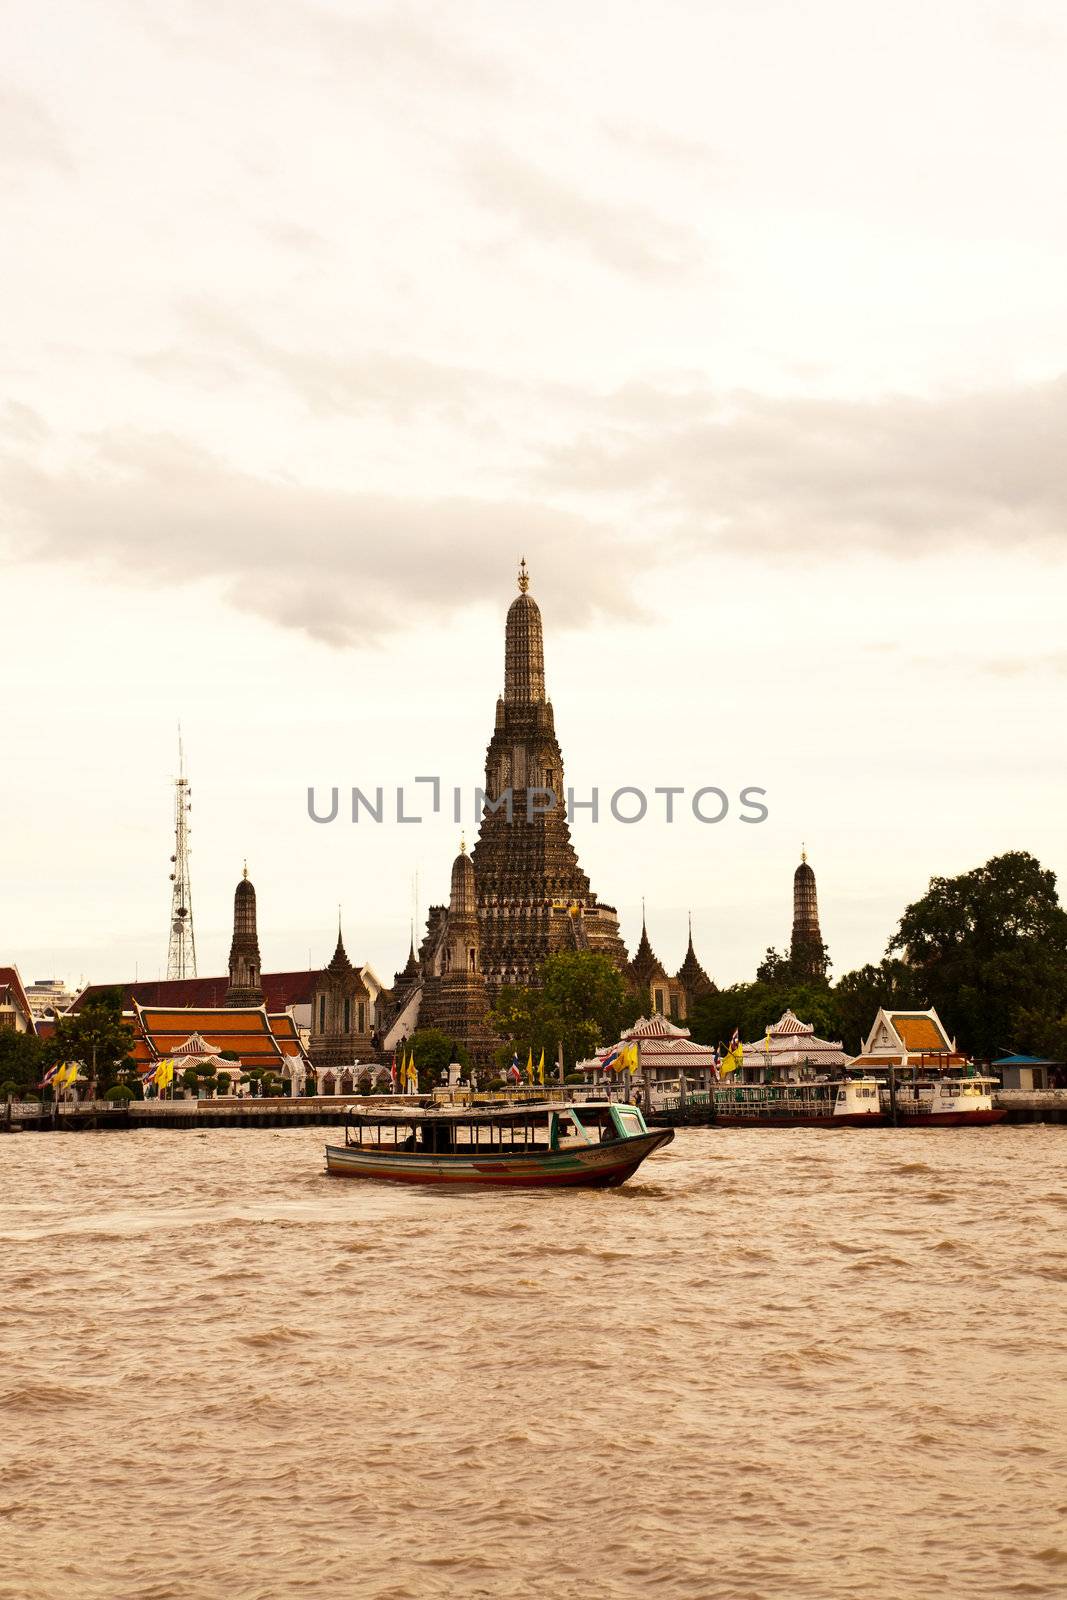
[
  {"x": 245, "y": 986},
  {"x": 807, "y": 951},
  {"x": 524, "y": 649}
]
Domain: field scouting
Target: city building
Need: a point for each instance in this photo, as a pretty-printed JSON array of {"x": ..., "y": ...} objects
[
  {"x": 49, "y": 997},
  {"x": 664, "y": 1052}
]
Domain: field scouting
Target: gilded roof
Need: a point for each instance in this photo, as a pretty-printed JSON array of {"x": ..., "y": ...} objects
[{"x": 918, "y": 1032}]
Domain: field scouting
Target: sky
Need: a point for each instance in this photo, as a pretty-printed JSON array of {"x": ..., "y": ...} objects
[{"x": 746, "y": 324}]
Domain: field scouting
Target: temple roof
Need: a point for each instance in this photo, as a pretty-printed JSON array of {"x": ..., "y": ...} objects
[
  {"x": 691, "y": 974},
  {"x": 646, "y": 964},
  {"x": 524, "y": 649},
  {"x": 246, "y": 1031},
  {"x": 655, "y": 1027}
]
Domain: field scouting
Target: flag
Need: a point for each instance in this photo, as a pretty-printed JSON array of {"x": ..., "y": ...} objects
[
  {"x": 541, "y": 1066},
  {"x": 610, "y": 1061},
  {"x": 392, "y": 1070},
  {"x": 734, "y": 1057},
  {"x": 628, "y": 1060},
  {"x": 514, "y": 1075},
  {"x": 529, "y": 1065},
  {"x": 50, "y": 1075},
  {"x": 412, "y": 1079}
]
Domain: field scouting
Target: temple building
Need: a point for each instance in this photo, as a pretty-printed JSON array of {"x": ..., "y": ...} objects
[
  {"x": 341, "y": 1014},
  {"x": 670, "y": 997},
  {"x": 533, "y": 897},
  {"x": 448, "y": 990},
  {"x": 790, "y": 1052},
  {"x": 807, "y": 953},
  {"x": 244, "y": 988}
]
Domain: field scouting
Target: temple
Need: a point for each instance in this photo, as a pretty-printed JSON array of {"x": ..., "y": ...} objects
[
  {"x": 668, "y": 997},
  {"x": 533, "y": 897},
  {"x": 445, "y": 987},
  {"x": 245, "y": 988},
  {"x": 807, "y": 953},
  {"x": 342, "y": 1017}
]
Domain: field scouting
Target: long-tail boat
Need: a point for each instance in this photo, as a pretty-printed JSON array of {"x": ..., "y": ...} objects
[{"x": 536, "y": 1145}]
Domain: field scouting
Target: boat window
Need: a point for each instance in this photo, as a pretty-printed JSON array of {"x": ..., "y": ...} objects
[
  {"x": 842, "y": 1095},
  {"x": 950, "y": 1091},
  {"x": 631, "y": 1124}
]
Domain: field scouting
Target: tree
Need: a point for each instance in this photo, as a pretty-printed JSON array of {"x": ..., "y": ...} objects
[
  {"x": 96, "y": 1037},
  {"x": 22, "y": 1059},
  {"x": 433, "y": 1052},
  {"x": 990, "y": 948},
  {"x": 583, "y": 1001},
  {"x": 752, "y": 1008},
  {"x": 859, "y": 995}
]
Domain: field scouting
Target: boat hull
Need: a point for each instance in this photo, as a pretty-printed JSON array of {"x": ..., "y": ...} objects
[
  {"x": 867, "y": 1119},
  {"x": 951, "y": 1119},
  {"x": 592, "y": 1167}
]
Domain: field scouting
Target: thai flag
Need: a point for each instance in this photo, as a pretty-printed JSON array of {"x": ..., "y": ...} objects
[
  {"x": 392, "y": 1070},
  {"x": 513, "y": 1071},
  {"x": 608, "y": 1063},
  {"x": 49, "y": 1075}
]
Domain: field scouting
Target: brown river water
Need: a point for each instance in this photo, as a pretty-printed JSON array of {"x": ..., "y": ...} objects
[{"x": 777, "y": 1363}]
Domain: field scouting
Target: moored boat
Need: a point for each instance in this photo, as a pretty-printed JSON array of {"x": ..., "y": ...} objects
[
  {"x": 946, "y": 1102},
  {"x": 502, "y": 1145},
  {"x": 842, "y": 1103}
]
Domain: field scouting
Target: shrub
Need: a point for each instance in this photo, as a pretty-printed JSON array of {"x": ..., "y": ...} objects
[
  {"x": 8, "y": 1088},
  {"x": 119, "y": 1091},
  {"x": 223, "y": 1081}
]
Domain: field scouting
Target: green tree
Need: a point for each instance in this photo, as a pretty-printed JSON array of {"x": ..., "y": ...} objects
[
  {"x": 990, "y": 949},
  {"x": 860, "y": 994},
  {"x": 96, "y": 1037},
  {"x": 583, "y": 1002},
  {"x": 22, "y": 1059},
  {"x": 433, "y": 1052}
]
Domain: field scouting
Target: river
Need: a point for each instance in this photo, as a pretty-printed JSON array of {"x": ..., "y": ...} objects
[{"x": 774, "y": 1364}]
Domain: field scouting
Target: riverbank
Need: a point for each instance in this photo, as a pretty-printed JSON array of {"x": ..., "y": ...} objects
[{"x": 1022, "y": 1106}]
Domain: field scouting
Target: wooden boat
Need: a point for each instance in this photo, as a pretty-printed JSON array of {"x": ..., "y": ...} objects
[
  {"x": 536, "y": 1145},
  {"x": 844, "y": 1103},
  {"x": 947, "y": 1102}
]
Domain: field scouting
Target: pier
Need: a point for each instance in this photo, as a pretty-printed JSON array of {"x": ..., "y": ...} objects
[{"x": 281, "y": 1112}]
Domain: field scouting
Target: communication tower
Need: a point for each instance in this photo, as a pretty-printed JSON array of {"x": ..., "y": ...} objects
[{"x": 181, "y": 952}]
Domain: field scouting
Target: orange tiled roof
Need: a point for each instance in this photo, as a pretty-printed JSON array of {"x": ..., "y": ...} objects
[
  {"x": 245, "y": 1032},
  {"x": 918, "y": 1033},
  {"x": 285, "y": 1032}
]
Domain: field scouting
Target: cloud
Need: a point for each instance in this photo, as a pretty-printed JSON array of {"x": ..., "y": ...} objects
[
  {"x": 345, "y": 568},
  {"x": 29, "y": 136},
  {"x": 393, "y": 48},
  {"x": 628, "y": 238},
  {"x": 899, "y": 474},
  {"x": 217, "y": 342}
]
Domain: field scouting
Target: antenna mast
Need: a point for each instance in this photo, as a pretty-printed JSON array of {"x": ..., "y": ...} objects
[{"x": 181, "y": 952}]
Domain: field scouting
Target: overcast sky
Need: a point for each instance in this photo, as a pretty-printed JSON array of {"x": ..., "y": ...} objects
[{"x": 745, "y": 322}]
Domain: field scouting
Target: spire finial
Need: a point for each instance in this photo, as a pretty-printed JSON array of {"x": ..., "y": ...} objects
[
  {"x": 463, "y": 844},
  {"x": 244, "y": 874},
  {"x": 642, "y": 914},
  {"x": 524, "y": 577},
  {"x": 803, "y": 852}
]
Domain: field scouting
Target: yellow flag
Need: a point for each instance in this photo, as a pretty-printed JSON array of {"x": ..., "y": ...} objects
[
  {"x": 529, "y": 1066},
  {"x": 413, "y": 1077},
  {"x": 541, "y": 1066},
  {"x": 731, "y": 1060},
  {"x": 66, "y": 1074}
]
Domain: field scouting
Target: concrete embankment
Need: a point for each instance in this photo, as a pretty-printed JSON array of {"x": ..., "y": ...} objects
[{"x": 313, "y": 1112}]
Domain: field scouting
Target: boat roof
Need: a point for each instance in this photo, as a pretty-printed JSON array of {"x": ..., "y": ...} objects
[{"x": 481, "y": 1112}]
